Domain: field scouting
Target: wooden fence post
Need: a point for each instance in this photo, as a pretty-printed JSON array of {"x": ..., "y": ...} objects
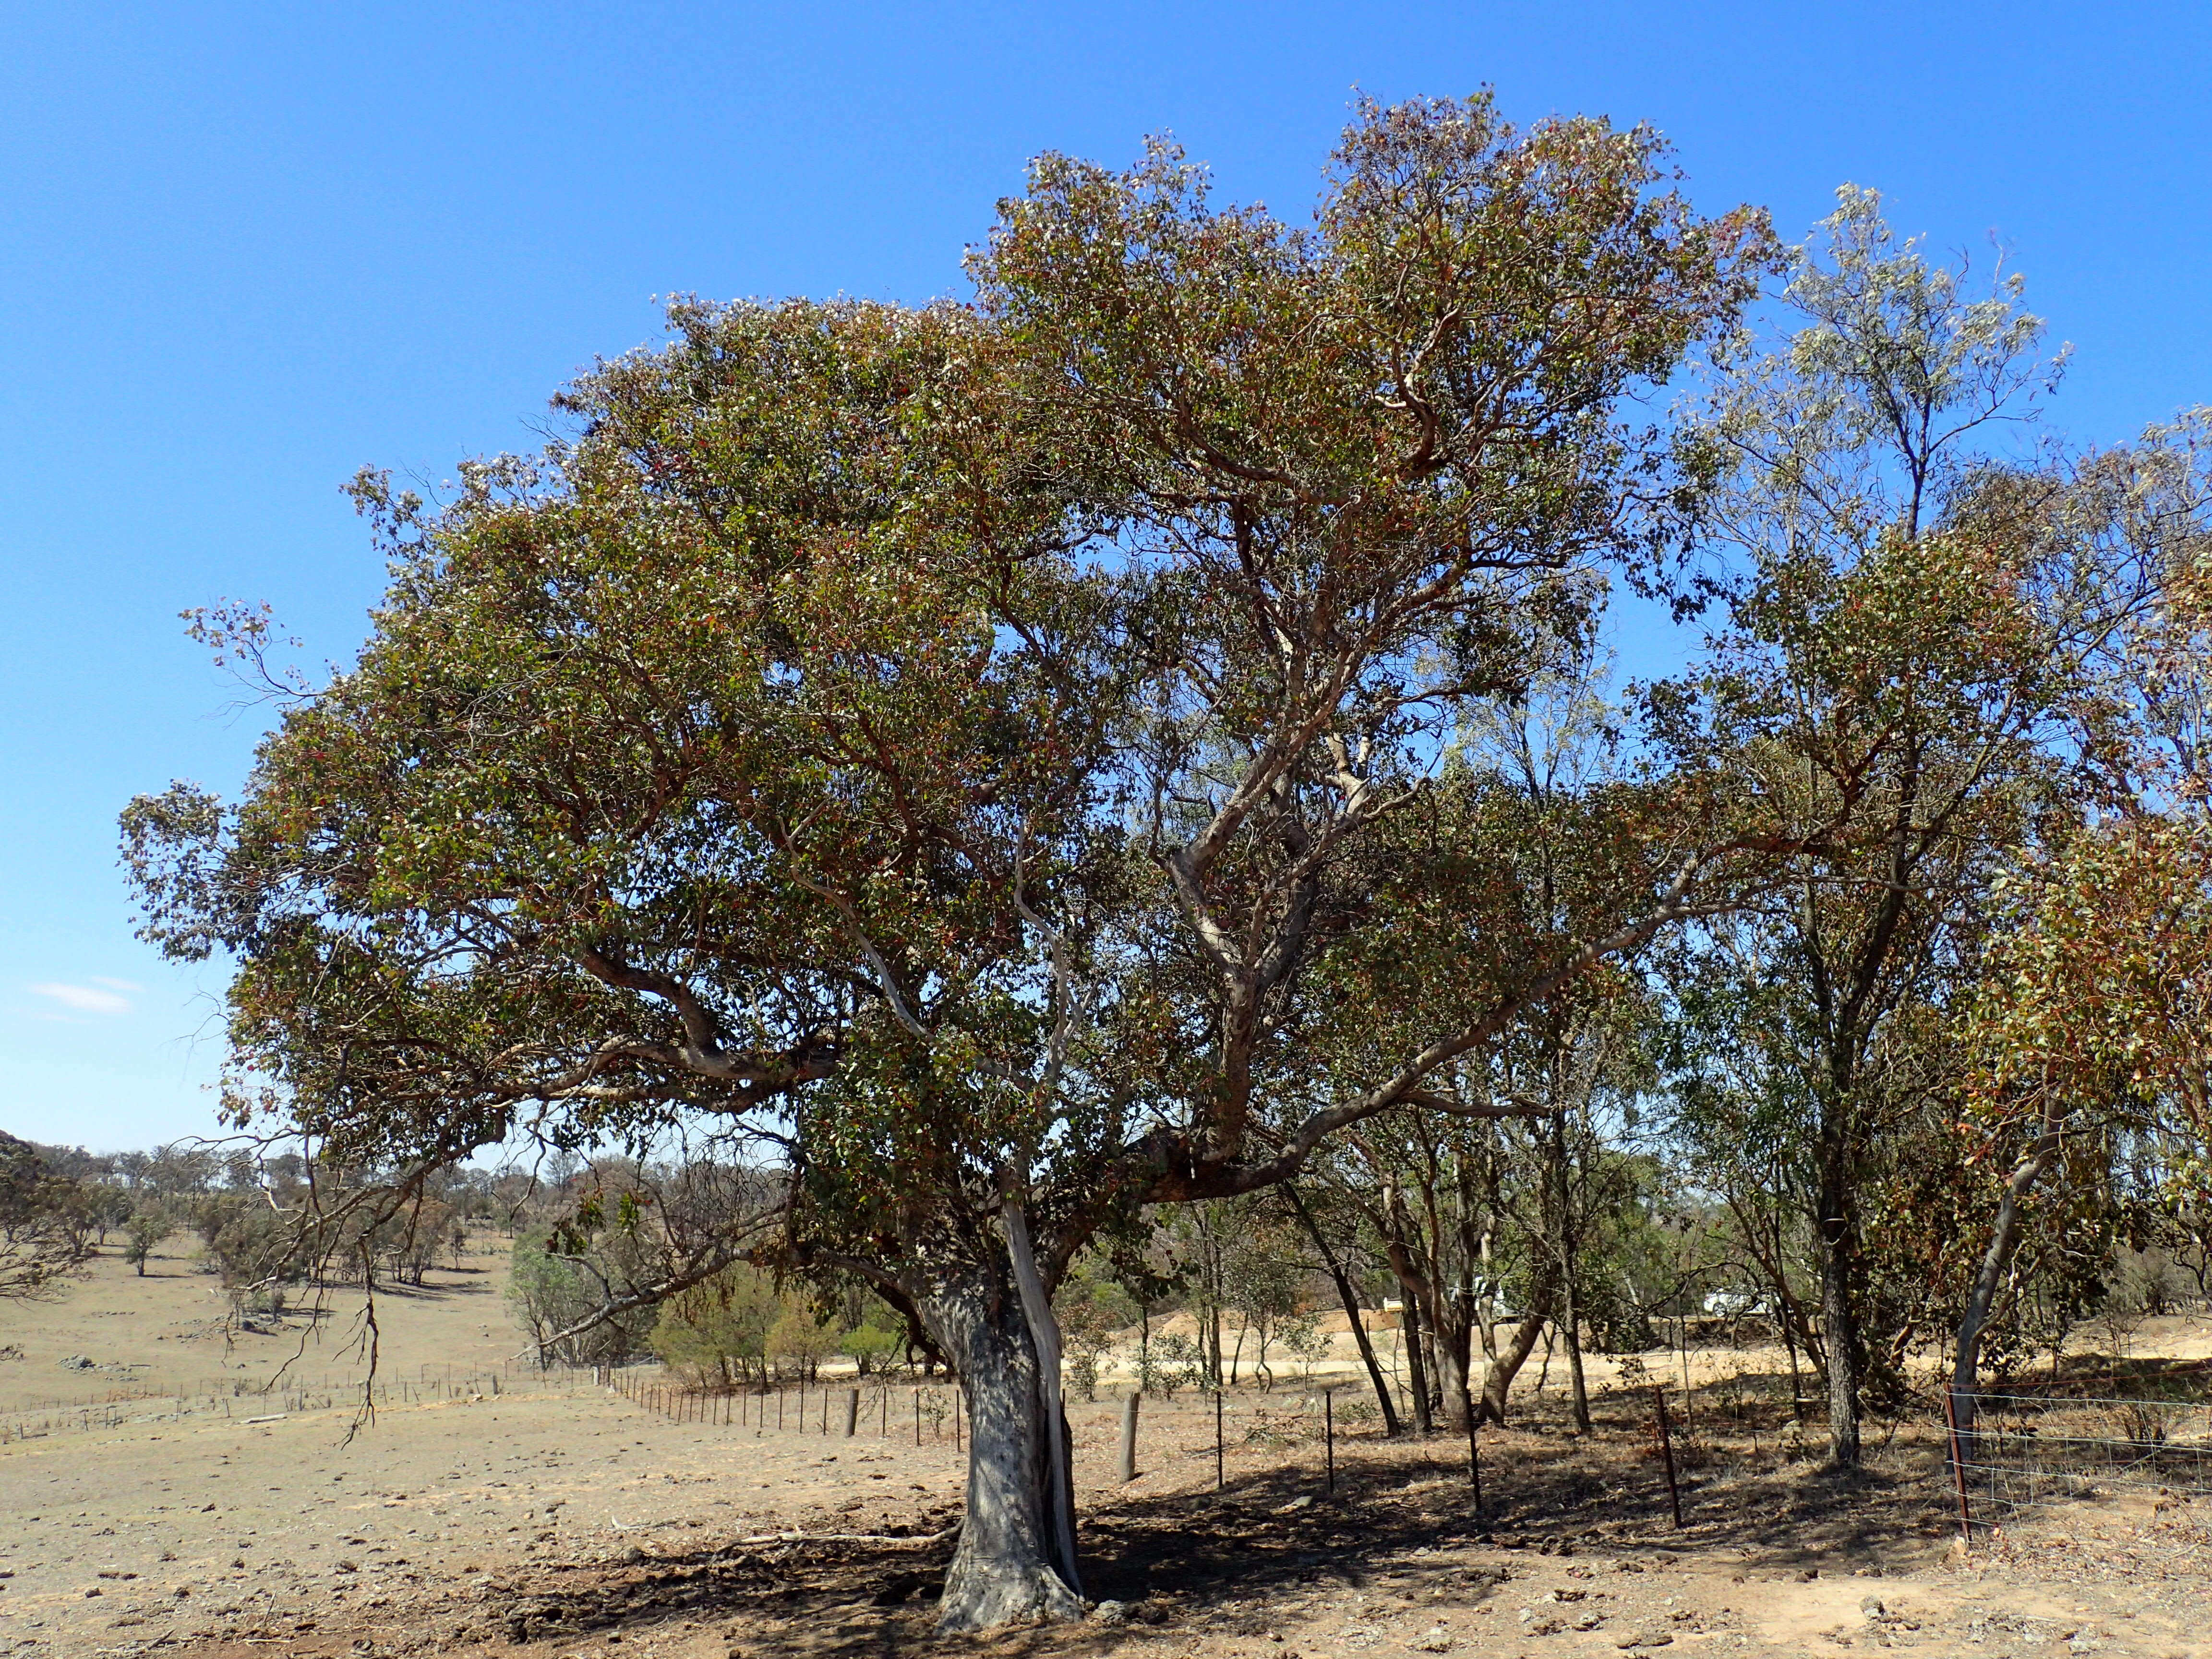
[
  {"x": 1328, "y": 1433},
  {"x": 1666, "y": 1453},
  {"x": 1217, "y": 1479},
  {"x": 852, "y": 1413},
  {"x": 1129, "y": 1438},
  {"x": 1474, "y": 1454}
]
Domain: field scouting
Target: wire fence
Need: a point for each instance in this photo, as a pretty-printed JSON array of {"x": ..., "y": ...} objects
[
  {"x": 2014, "y": 1454},
  {"x": 238, "y": 1398},
  {"x": 879, "y": 1407}
]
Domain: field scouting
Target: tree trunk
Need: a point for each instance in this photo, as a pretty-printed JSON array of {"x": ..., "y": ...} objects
[
  {"x": 1571, "y": 1330},
  {"x": 1796, "y": 1387},
  {"x": 1996, "y": 1265},
  {"x": 1839, "y": 1337},
  {"x": 1507, "y": 1366},
  {"x": 1455, "y": 1349},
  {"x": 1350, "y": 1298},
  {"x": 1015, "y": 1558},
  {"x": 1417, "y": 1373}
]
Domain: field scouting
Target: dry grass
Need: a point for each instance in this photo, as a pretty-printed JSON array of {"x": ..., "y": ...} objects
[{"x": 570, "y": 1521}]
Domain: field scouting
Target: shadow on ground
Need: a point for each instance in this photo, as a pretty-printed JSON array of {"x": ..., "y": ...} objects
[{"x": 1218, "y": 1558}]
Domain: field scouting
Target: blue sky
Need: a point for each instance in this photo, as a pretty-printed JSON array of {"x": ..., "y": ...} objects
[{"x": 245, "y": 250}]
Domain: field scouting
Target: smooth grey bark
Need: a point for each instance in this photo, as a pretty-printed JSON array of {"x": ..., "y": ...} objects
[
  {"x": 1015, "y": 1559},
  {"x": 1044, "y": 1336}
]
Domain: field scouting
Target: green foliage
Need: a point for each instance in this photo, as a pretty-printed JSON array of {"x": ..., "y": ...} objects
[
  {"x": 872, "y": 1348},
  {"x": 46, "y": 1219},
  {"x": 244, "y": 1241},
  {"x": 765, "y": 747},
  {"x": 799, "y": 1339},
  {"x": 1093, "y": 1307},
  {"x": 1307, "y": 1343},
  {"x": 552, "y": 1292},
  {"x": 718, "y": 1327},
  {"x": 146, "y": 1228},
  {"x": 1173, "y": 1360}
]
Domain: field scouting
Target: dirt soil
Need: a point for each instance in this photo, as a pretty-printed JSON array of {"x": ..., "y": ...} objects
[{"x": 557, "y": 1519}]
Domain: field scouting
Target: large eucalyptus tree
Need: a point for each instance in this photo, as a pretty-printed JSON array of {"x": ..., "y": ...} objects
[{"x": 950, "y": 746}]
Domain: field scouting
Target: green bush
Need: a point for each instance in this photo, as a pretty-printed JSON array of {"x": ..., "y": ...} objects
[
  {"x": 717, "y": 1331},
  {"x": 142, "y": 1232},
  {"x": 551, "y": 1292},
  {"x": 801, "y": 1339},
  {"x": 871, "y": 1348}
]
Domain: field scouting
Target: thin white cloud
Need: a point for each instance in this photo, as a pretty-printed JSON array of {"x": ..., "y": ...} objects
[
  {"x": 85, "y": 998},
  {"x": 116, "y": 984}
]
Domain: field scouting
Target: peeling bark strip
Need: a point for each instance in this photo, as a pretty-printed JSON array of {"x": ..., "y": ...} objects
[{"x": 1044, "y": 1333}]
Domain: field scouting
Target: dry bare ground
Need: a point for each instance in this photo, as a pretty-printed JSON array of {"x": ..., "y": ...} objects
[{"x": 565, "y": 1520}]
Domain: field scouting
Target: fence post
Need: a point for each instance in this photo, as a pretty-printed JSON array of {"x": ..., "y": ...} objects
[
  {"x": 1958, "y": 1464},
  {"x": 1666, "y": 1453},
  {"x": 917, "y": 1414},
  {"x": 1475, "y": 1454},
  {"x": 852, "y": 1413},
  {"x": 1328, "y": 1433},
  {"x": 1218, "y": 1481},
  {"x": 1129, "y": 1438}
]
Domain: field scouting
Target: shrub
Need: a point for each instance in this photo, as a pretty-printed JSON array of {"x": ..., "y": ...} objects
[
  {"x": 551, "y": 1292},
  {"x": 871, "y": 1348},
  {"x": 716, "y": 1326},
  {"x": 799, "y": 1339},
  {"x": 144, "y": 1230}
]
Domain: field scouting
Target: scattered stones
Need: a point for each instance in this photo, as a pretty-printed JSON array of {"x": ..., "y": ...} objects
[{"x": 1110, "y": 1612}]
